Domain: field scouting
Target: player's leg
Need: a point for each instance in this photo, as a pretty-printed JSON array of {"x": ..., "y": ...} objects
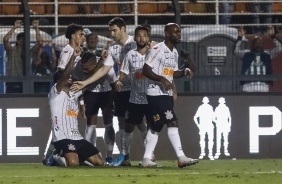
[
  {"x": 106, "y": 105},
  {"x": 135, "y": 117},
  {"x": 154, "y": 109},
  {"x": 90, "y": 99},
  {"x": 87, "y": 151},
  {"x": 168, "y": 117},
  {"x": 121, "y": 102}
]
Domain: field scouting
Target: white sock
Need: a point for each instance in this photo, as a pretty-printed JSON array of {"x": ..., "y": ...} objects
[
  {"x": 90, "y": 134},
  {"x": 126, "y": 140},
  {"x": 60, "y": 160},
  {"x": 174, "y": 138},
  {"x": 151, "y": 142}
]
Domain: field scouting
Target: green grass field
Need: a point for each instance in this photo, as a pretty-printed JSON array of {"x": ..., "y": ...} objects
[{"x": 266, "y": 171}]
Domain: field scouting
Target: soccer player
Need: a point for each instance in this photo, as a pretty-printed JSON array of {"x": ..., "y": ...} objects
[
  {"x": 116, "y": 52},
  {"x": 75, "y": 34},
  {"x": 161, "y": 66},
  {"x": 94, "y": 98},
  {"x": 64, "y": 110},
  {"x": 132, "y": 66}
]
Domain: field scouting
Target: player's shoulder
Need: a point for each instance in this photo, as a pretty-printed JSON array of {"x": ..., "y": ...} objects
[{"x": 67, "y": 49}]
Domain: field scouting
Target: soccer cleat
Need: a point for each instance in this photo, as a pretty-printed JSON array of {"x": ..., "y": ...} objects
[
  {"x": 50, "y": 161},
  {"x": 109, "y": 161},
  {"x": 119, "y": 160},
  {"x": 187, "y": 162},
  {"x": 126, "y": 161},
  {"x": 146, "y": 162}
]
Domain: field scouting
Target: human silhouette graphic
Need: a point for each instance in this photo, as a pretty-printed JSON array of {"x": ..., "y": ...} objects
[
  {"x": 204, "y": 120},
  {"x": 222, "y": 120}
]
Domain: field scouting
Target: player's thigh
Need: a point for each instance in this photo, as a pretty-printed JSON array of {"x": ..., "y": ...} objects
[
  {"x": 86, "y": 150},
  {"x": 91, "y": 103},
  {"x": 121, "y": 103}
]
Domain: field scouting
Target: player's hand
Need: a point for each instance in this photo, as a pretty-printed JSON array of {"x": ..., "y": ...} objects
[
  {"x": 104, "y": 54},
  {"x": 118, "y": 85},
  {"x": 270, "y": 30},
  {"x": 18, "y": 23},
  {"x": 188, "y": 73},
  {"x": 241, "y": 31},
  {"x": 167, "y": 85},
  {"x": 77, "y": 86},
  {"x": 35, "y": 23},
  {"x": 82, "y": 111},
  {"x": 77, "y": 51}
]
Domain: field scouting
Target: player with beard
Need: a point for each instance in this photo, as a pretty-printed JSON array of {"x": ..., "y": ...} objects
[{"x": 132, "y": 67}]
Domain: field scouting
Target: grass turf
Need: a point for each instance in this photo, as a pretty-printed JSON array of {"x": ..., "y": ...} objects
[{"x": 265, "y": 171}]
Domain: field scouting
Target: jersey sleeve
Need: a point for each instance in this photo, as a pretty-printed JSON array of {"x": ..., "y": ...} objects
[
  {"x": 109, "y": 61},
  {"x": 64, "y": 58},
  {"x": 152, "y": 56}
]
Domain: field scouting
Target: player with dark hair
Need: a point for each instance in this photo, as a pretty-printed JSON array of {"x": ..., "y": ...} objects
[
  {"x": 64, "y": 108},
  {"x": 132, "y": 67},
  {"x": 75, "y": 34},
  {"x": 97, "y": 95},
  {"x": 161, "y": 66},
  {"x": 116, "y": 52}
]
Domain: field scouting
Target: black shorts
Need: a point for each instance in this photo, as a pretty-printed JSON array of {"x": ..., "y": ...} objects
[
  {"x": 83, "y": 148},
  {"x": 95, "y": 100},
  {"x": 161, "y": 109},
  {"x": 136, "y": 113},
  {"x": 121, "y": 102}
]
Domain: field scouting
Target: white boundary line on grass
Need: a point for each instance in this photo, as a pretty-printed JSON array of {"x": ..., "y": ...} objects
[{"x": 165, "y": 174}]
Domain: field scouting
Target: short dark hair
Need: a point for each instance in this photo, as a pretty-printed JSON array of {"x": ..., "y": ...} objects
[
  {"x": 20, "y": 35},
  {"x": 88, "y": 56},
  {"x": 141, "y": 28},
  {"x": 117, "y": 21},
  {"x": 71, "y": 29},
  {"x": 148, "y": 26}
]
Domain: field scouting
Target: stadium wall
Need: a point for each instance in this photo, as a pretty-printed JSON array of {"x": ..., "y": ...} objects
[{"x": 255, "y": 130}]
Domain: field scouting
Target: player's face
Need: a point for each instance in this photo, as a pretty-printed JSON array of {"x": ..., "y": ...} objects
[
  {"x": 116, "y": 32},
  {"x": 175, "y": 34},
  {"x": 78, "y": 37},
  {"x": 88, "y": 66},
  {"x": 92, "y": 42},
  {"x": 141, "y": 38}
]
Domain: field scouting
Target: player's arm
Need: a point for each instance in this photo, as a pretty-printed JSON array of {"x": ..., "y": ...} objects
[
  {"x": 148, "y": 72},
  {"x": 107, "y": 65},
  {"x": 118, "y": 84},
  {"x": 66, "y": 73},
  {"x": 180, "y": 73},
  {"x": 82, "y": 107}
]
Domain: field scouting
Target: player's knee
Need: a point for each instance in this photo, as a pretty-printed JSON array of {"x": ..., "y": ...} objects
[
  {"x": 156, "y": 127},
  {"x": 172, "y": 124},
  {"x": 72, "y": 163}
]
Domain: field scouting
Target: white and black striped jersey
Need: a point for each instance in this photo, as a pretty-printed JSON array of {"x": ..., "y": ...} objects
[
  {"x": 163, "y": 62},
  {"x": 65, "y": 57},
  {"x": 64, "y": 110},
  {"x": 104, "y": 82},
  {"x": 116, "y": 54},
  {"x": 132, "y": 66}
]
